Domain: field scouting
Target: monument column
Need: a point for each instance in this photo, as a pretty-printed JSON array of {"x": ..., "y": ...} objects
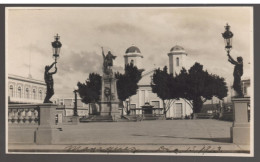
[
  {"x": 46, "y": 131},
  {"x": 109, "y": 99},
  {"x": 240, "y": 131}
]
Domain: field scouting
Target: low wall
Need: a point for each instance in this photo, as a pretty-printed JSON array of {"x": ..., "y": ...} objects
[
  {"x": 22, "y": 134},
  {"x": 24, "y": 120}
]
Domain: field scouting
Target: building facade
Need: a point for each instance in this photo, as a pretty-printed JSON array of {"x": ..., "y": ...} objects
[
  {"x": 180, "y": 108},
  {"x": 66, "y": 107},
  {"x": 25, "y": 90},
  {"x": 246, "y": 88}
]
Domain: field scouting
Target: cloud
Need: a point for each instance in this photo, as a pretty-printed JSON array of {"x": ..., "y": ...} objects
[
  {"x": 119, "y": 69},
  {"x": 36, "y": 48},
  {"x": 83, "y": 62},
  {"x": 154, "y": 30},
  {"x": 119, "y": 28}
]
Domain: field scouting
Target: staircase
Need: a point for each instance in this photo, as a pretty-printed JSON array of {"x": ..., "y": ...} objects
[
  {"x": 132, "y": 118},
  {"x": 97, "y": 118},
  {"x": 153, "y": 117}
]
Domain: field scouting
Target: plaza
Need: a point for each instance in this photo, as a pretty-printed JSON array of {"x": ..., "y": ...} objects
[
  {"x": 126, "y": 99},
  {"x": 148, "y": 132},
  {"x": 143, "y": 136}
]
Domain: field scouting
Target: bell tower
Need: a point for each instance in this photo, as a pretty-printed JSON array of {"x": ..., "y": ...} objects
[
  {"x": 177, "y": 58},
  {"x": 133, "y": 55}
]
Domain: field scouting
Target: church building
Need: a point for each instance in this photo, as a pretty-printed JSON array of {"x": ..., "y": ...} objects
[{"x": 145, "y": 96}]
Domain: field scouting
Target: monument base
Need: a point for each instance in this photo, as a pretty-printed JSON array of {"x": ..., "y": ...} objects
[
  {"x": 110, "y": 109},
  {"x": 240, "y": 131},
  {"x": 45, "y": 135},
  {"x": 240, "y": 134},
  {"x": 46, "y": 131}
]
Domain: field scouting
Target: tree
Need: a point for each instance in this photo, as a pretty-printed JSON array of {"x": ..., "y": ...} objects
[
  {"x": 198, "y": 86},
  {"x": 127, "y": 82},
  {"x": 91, "y": 89},
  {"x": 195, "y": 86},
  {"x": 166, "y": 88}
]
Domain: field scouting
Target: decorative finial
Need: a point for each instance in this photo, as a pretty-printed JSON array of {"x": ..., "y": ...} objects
[{"x": 57, "y": 37}]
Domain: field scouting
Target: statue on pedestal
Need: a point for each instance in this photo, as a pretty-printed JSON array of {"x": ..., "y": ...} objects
[
  {"x": 109, "y": 99},
  {"x": 49, "y": 82},
  {"x": 238, "y": 72},
  {"x": 107, "y": 62}
]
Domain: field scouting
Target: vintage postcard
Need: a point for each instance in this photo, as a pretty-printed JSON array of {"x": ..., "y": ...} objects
[{"x": 130, "y": 80}]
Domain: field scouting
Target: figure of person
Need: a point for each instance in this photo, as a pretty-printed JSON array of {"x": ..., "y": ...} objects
[
  {"x": 49, "y": 82},
  {"x": 238, "y": 72},
  {"x": 110, "y": 58},
  {"x": 107, "y": 61}
]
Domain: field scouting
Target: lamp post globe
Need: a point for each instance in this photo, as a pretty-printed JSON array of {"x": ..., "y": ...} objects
[
  {"x": 56, "y": 45},
  {"x": 228, "y": 35}
]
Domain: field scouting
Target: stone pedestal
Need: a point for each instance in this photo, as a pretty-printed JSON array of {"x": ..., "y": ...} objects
[
  {"x": 109, "y": 105},
  {"x": 46, "y": 130},
  {"x": 240, "y": 131}
]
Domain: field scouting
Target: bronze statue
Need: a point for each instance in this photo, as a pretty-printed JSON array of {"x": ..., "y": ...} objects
[
  {"x": 49, "y": 82},
  {"x": 238, "y": 72},
  {"x": 107, "y": 62}
]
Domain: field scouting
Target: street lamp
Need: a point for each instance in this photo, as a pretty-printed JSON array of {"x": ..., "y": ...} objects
[
  {"x": 56, "y": 45},
  {"x": 75, "y": 103},
  {"x": 238, "y": 70},
  {"x": 227, "y": 35}
]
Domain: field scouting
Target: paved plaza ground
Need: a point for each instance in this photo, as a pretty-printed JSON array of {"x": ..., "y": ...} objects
[
  {"x": 201, "y": 135},
  {"x": 148, "y": 132}
]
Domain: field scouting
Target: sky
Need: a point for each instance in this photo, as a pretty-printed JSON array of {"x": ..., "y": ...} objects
[{"x": 154, "y": 30}]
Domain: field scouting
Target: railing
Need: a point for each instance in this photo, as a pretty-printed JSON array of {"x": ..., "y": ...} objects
[{"x": 23, "y": 114}]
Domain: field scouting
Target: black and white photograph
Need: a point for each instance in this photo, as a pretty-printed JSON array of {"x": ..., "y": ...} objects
[{"x": 136, "y": 80}]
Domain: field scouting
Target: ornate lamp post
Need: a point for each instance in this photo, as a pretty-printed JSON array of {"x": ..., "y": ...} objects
[
  {"x": 56, "y": 45},
  {"x": 227, "y": 35},
  {"x": 241, "y": 127},
  {"x": 238, "y": 70},
  {"x": 75, "y": 103}
]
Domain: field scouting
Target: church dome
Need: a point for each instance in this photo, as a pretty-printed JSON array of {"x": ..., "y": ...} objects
[
  {"x": 177, "y": 48},
  {"x": 133, "y": 49}
]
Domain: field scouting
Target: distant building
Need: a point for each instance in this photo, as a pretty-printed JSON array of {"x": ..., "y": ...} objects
[
  {"x": 180, "y": 108},
  {"x": 25, "y": 90},
  {"x": 246, "y": 89},
  {"x": 66, "y": 107}
]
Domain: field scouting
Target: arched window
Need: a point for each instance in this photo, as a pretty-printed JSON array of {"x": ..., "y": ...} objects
[
  {"x": 177, "y": 61},
  {"x": 40, "y": 94},
  {"x": 19, "y": 92},
  {"x": 27, "y": 92},
  {"x": 34, "y": 94},
  {"x": 11, "y": 91}
]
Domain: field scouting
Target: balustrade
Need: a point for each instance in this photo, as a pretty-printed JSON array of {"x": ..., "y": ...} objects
[{"x": 21, "y": 115}]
